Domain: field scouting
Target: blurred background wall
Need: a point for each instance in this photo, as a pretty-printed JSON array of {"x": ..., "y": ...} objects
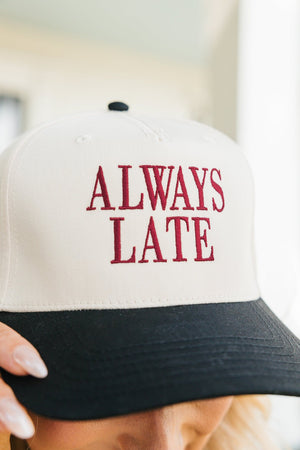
[{"x": 233, "y": 64}]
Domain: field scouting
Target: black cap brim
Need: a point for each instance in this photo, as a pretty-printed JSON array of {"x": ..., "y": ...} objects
[{"x": 104, "y": 363}]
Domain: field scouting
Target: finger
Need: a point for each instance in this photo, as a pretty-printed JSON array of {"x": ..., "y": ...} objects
[
  {"x": 13, "y": 416},
  {"x": 18, "y": 356}
]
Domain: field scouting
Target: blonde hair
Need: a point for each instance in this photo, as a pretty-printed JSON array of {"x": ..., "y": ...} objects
[{"x": 245, "y": 426}]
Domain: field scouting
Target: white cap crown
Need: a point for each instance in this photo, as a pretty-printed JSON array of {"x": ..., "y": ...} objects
[{"x": 106, "y": 210}]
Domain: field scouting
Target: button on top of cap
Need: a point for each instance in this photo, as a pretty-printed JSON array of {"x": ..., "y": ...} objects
[{"x": 118, "y": 106}]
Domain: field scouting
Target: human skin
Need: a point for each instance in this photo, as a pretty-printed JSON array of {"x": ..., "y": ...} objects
[{"x": 180, "y": 426}]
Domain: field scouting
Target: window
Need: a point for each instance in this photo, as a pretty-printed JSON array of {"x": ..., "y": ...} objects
[{"x": 11, "y": 118}]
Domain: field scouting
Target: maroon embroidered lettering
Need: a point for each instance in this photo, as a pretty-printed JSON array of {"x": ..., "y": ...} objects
[
  {"x": 117, "y": 242},
  {"x": 200, "y": 185},
  {"x": 217, "y": 188},
  {"x": 199, "y": 238},
  {"x": 191, "y": 188},
  {"x": 125, "y": 190},
  {"x": 158, "y": 172},
  {"x": 155, "y": 246},
  {"x": 183, "y": 193},
  {"x": 177, "y": 226},
  {"x": 103, "y": 193}
]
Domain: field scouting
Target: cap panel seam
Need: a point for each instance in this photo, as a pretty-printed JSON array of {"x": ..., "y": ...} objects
[
  {"x": 14, "y": 163},
  {"x": 5, "y": 193},
  {"x": 149, "y": 131},
  {"x": 4, "y": 236}
]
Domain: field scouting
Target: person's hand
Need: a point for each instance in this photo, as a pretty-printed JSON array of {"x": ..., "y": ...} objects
[{"x": 19, "y": 357}]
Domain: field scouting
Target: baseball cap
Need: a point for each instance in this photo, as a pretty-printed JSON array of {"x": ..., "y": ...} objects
[{"x": 127, "y": 258}]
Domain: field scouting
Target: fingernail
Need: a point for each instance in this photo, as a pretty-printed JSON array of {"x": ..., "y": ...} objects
[
  {"x": 30, "y": 361},
  {"x": 15, "y": 420}
]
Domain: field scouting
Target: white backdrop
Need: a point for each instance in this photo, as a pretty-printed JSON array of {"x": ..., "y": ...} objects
[{"x": 269, "y": 131}]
